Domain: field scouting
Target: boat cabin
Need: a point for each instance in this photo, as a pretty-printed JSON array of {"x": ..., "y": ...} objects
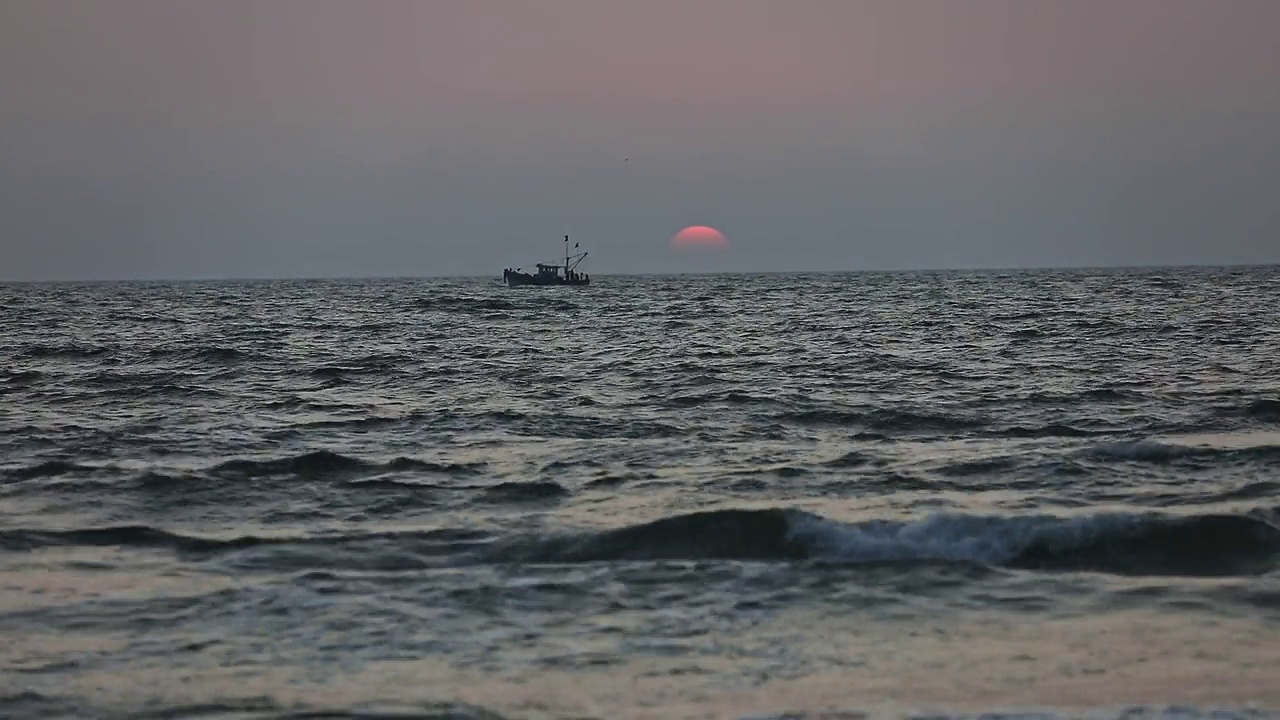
[{"x": 548, "y": 271}]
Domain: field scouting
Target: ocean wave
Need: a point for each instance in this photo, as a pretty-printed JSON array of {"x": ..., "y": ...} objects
[
  {"x": 324, "y": 463},
  {"x": 712, "y": 534},
  {"x": 1250, "y": 491},
  {"x": 404, "y": 464},
  {"x": 1119, "y": 543},
  {"x": 50, "y": 468},
  {"x": 133, "y": 317},
  {"x": 29, "y": 703},
  {"x": 525, "y": 491},
  {"x": 699, "y": 399},
  {"x": 854, "y": 459},
  {"x": 295, "y": 403},
  {"x": 1051, "y": 430},
  {"x": 359, "y": 423},
  {"x": 1110, "y": 393},
  {"x": 1156, "y": 452},
  {"x": 214, "y": 354},
  {"x": 167, "y": 390},
  {"x": 881, "y": 419},
  {"x": 1263, "y": 408},
  {"x": 563, "y": 425},
  {"x": 463, "y": 304},
  {"x": 63, "y": 351},
  {"x": 153, "y": 383},
  {"x": 149, "y": 537},
  {"x": 362, "y": 366},
  {"x": 1204, "y": 545},
  {"x": 984, "y": 466},
  {"x": 311, "y": 464},
  {"x": 16, "y": 378},
  {"x": 887, "y": 483}
]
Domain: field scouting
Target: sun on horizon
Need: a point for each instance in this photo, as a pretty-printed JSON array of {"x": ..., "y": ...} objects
[{"x": 699, "y": 237}]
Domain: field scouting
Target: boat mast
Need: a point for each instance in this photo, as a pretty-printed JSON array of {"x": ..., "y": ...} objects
[{"x": 566, "y": 257}]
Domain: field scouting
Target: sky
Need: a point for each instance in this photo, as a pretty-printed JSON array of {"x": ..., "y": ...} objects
[{"x": 312, "y": 138}]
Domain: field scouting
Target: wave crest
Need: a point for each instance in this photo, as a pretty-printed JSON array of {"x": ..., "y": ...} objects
[
  {"x": 1209, "y": 545},
  {"x": 1118, "y": 543}
]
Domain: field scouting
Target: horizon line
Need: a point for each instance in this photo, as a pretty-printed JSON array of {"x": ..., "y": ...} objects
[{"x": 865, "y": 271}]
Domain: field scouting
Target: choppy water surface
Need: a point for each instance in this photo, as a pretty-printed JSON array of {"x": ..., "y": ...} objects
[{"x": 898, "y": 494}]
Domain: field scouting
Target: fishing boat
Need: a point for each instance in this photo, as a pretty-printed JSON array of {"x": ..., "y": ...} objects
[{"x": 550, "y": 274}]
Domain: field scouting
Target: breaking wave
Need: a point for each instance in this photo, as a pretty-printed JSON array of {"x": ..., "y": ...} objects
[{"x": 1120, "y": 543}]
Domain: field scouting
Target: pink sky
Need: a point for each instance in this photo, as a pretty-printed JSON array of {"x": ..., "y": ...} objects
[
  {"x": 383, "y": 59},
  {"x": 508, "y": 86}
]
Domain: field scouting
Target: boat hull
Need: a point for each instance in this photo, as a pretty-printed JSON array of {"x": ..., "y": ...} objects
[{"x": 526, "y": 280}]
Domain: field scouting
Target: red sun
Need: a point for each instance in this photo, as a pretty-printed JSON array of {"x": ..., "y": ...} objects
[{"x": 699, "y": 237}]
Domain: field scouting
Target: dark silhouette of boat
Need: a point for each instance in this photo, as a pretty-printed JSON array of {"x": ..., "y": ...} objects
[{"x": 549, "y": 274}]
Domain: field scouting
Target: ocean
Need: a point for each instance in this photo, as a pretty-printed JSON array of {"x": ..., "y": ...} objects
[{"x": 1036, "y": 494}]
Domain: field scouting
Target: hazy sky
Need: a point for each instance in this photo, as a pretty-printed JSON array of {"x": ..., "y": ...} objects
[{"x": 190, "y": 138}]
